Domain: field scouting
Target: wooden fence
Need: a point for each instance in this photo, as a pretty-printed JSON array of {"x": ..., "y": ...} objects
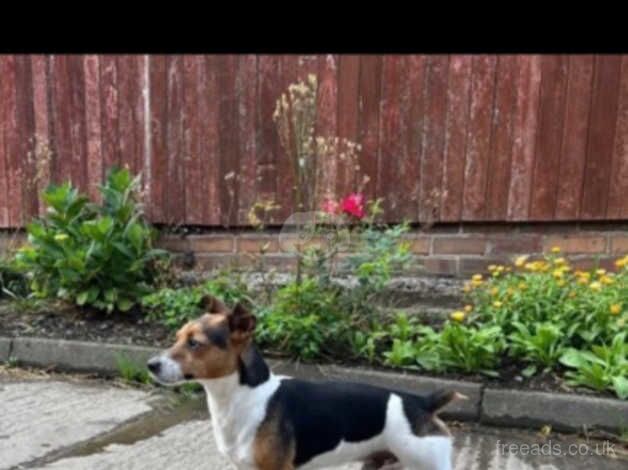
[{"x": 445, "y": 137}]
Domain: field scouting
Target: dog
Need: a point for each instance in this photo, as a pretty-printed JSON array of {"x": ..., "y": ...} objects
[{"x": 266, "y": 422}]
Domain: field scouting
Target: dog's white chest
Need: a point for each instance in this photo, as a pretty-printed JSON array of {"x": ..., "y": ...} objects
[{"x": 236, "y": 413}]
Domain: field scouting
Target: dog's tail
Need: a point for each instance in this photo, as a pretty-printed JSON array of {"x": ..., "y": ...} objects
[{"x": 441, "y": 398}]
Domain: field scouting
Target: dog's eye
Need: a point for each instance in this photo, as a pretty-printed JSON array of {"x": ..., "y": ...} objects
[{"x": 193, "y": 344}]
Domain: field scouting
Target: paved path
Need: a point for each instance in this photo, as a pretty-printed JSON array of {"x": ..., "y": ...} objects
[{"x": 57, "y": 424}]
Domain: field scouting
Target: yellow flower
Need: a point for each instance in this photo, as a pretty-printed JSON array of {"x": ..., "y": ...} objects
[
  {"x": 621, "y": 262},
  {"x": 560, "y": 261},
  {"x": 476, "y": 277},
  {"x": 500, "y": 268},
  {"x": 606, "y": 279},
  {"x": 531, "y": 266},
  {"x": 561, "y": 283},
  {"x": 458, "y": 315},
  {"x": 600, "y": 272},
  {"x": 468, "y": 308},
  {"x": 61, "y": 237},
  {"x": 582, "y": 281},
  {"x": 497, "y": 304},
  {"x": 466, "y": 288},
  {"x": 596, "y": 286},
  {"x": 615, "y": 309},
  {"x": 521, "y": 260},
  {"x": 492, "y": 267},
  {"x": 494, "y": 291},
  {"x": 555, "y": 249},
  {"x": 522, "y": 285},
  {"x": 476, "y": 282},
  {"x": 572, "y": 294},
  {"x": 558, "y": 273}
]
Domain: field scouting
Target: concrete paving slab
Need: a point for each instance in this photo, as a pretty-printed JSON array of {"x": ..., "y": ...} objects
[{"x": 43, "y": 416}]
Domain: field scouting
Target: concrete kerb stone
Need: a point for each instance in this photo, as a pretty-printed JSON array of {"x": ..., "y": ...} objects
[
  {"x": 568, "y": 412},
  {"x": 5, "y": 349},
  {"x": 565, "y": 412},
  {"x": 77, "y": 355}
]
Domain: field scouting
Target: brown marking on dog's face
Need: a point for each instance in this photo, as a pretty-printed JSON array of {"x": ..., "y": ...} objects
[
  {"x": 209, "y": 347},
  {"x": 271, "y": 449}
]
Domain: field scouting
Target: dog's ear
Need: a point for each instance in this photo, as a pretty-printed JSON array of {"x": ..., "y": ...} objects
[
  {"x": 211, "y": 304},
  {"x": 241, "y": 323}
]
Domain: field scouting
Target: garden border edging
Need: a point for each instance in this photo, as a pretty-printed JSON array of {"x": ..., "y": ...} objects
[{"x": 506, "y": 407}]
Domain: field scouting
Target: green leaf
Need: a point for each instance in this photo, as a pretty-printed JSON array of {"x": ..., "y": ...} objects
[
  {"x": 572, "y": 358},
  {"x": 125, "y": 305},
  {"x": 82, "y": 298},
  {"x": 620, "y": 385},
  {"x": 529, "y": 371}
]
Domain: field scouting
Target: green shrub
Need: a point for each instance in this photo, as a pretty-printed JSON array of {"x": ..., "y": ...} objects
[
  {"x": 600, "y": 368},
  {"x": 131, "y": 371},
  {"x": 96, "y": 255},
  {"x": 173, "y": 307}
]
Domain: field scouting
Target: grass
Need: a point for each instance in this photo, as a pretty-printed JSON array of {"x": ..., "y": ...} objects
[{"x": 131, "y": 371}]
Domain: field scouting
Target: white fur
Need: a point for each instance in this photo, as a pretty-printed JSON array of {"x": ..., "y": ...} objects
[
  {"x": 237, "y": 411},
  {"x": 170, "y": 372}
]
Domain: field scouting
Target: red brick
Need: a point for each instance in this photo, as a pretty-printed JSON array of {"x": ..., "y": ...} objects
[
  {"x": 470, "y": 266},
  {"x": 443, "y": 266},
  {"x": 255, "y": 243},
  {"x": 174, "y": 243},
  {"x": 576, "y": 243},
  {"x": 419, "y": 245},
  {"x": 587, "y": 263},
  {"x": 211, "y": 243},
  {"x": 517, "y": 244},
  {"x": 459, "y": 245},
  {"x": 214, "y": 261},
  {"x": 619, "y": 244},
  {"x": 490, "y": 228}
]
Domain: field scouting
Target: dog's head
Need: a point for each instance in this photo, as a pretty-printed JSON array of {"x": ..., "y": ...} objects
[{"x": 208, "y": 347}]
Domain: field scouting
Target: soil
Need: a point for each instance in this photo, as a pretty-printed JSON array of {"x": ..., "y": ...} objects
[{"x": 63, "y": 322}]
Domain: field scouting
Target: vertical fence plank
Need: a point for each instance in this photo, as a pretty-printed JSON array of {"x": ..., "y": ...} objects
[
  {"x": 327, "y": 119},
  {"x": 192, "y": 152},
  {"x": 602, "y": 126},
  {"x": 501, "y": 142},
  {"x": 128, "y": 97},
  {"x": 285, "y": 172},
  {"x": 369, "y": 100},
  {"x": 159, "y": 158},
  {"x": 434, "y": 138},
  {"x": 458, "y": 99},
  {"x": 25, "y": 135},
  {"x": 618, "y": 189},
  {"x": 210, "y": 141},
  {"x": 78, "y": 135},
  {"x": 348, "y": 112},
  {"x": 551, "y": 119},
  {"x": 5, "y": 90},
  {"x": 392, "y": 145},
  {"x": 42, "y": 150},
  {"x": 575, "y": 131},
  {"x": 524, "y": 137},
  {"x": 109, "y": 111},
  {"x": 269, "y": 89},
  {"x": 13, "y": 160},
  {"x": 60, "y": 116},
  {"x": 91, "y": 64},
  {"x": 479, "y": 137},
  {"x": 175, "y": 176},
  {"x": 246, "y": 86},
  {"x": 229, "y": 151}
]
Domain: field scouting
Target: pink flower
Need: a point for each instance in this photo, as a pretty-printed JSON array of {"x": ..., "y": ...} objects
[
  {"x": 353, "y": 205},
  {"x": 330, "y": 207}
]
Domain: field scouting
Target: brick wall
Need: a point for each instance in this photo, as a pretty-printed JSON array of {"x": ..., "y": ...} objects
[{"x": 449, "y": 250}]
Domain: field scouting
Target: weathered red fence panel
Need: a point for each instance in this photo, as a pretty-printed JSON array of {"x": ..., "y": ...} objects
[{"x": 444, "y": 138}]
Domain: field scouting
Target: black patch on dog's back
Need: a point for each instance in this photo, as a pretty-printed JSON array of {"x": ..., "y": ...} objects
[{"x": 317, "y": 416}]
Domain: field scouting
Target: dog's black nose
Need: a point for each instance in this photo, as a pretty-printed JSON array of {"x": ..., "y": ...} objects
[{"x": 153, "y": 365}]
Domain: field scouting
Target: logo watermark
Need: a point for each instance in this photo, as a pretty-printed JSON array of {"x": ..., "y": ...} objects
[{"x": 557, "y": 449}]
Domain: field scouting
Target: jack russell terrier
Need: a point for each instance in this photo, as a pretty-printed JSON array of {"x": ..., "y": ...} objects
[{"x": 267, "y": 422}]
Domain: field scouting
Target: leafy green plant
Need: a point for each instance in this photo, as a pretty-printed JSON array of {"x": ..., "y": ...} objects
[
  {"x": 471, "y": 349},
  {"x": 93, "y": 255},
  {"x": 304, "y": 322},
  {"x": 600, "y": 368},
  {"x": 173, "y": 307},
  {"x": 540, "y": 344},
  {"x": 131, "y": 371}
]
